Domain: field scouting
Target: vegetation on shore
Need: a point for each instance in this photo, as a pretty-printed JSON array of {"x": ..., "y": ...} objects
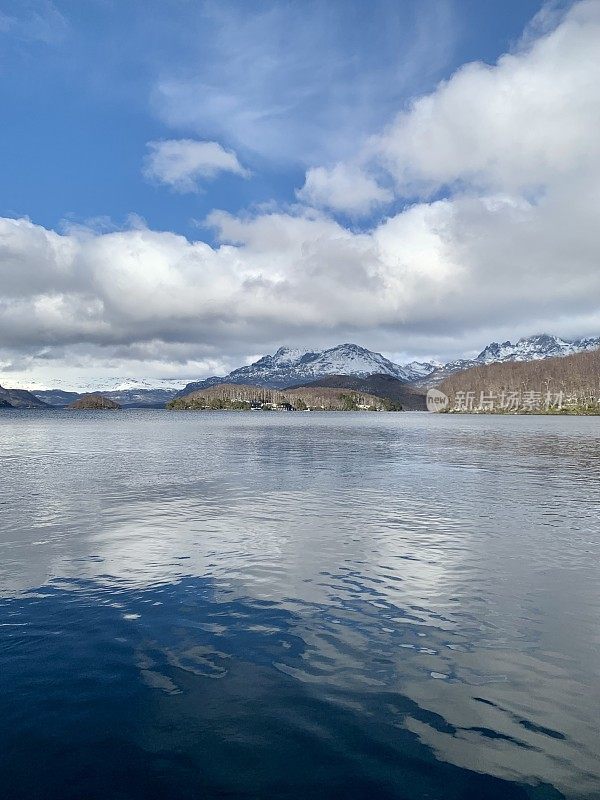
[
  {"x": 567, "y": 385},
  {"x": 238, "y": 397},
  {"x": 568, "y": 410},
  {"x": 378, "y": 384}
]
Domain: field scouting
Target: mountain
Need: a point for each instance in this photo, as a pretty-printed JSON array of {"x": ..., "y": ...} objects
[
  {"x": 126, "y": 398},
  {"x": 529, "y": 348},
  {"x": 142, "y": 398},
  {"x": 569, "y": 383},
  {"x": 20, "y": 398},
  {"x": 385, "y": 386},
  {"x": 294, "y": 366},
  {"x": 57, "y": 398},
  {"x": 127, "y": 392},
  {"x": 419, "y": 369},
  {"x": 533, "y": 348}
]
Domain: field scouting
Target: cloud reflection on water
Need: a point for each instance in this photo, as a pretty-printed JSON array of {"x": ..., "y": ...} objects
[{"x": 432, "y": 578}]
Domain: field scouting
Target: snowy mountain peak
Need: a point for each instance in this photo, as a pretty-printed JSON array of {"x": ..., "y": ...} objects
[
  {"x": 528, "y": 348},
  {"x": 289, "y": 366},
  {"x": 292, "y": 364},
  {"x": 533, "y": 348},
  {"x": 295, "y": 365},
  {"x": 422, "y": 368},
  {"x": 287, "y": 355}
]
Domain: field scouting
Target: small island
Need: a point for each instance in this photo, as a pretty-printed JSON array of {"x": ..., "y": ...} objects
[
  {"x": 240, "y": 397},
  {"x": 94, "y": 402}
]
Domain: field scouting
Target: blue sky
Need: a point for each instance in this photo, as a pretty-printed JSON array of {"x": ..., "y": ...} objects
[
  {"x": 188, "y": 185},
  {"x": 82, "y": 88}
]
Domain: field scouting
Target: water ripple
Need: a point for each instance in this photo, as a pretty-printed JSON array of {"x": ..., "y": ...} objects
[{"x": 299, "y": 605}]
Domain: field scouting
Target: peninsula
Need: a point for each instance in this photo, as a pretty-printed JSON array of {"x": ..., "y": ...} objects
[{"x": 240, "y": 397}]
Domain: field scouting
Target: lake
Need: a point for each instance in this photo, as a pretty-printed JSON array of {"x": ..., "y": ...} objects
[{"x": 299, "y": 605}]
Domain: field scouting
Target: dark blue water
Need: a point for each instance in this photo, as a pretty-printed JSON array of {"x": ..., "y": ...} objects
[{"x": 299, "y": 606}]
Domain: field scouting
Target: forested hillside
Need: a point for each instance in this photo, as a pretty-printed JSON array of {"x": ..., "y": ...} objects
[
  {"x": 567, "y": 384},
  {"x": 241, "y": 397}
]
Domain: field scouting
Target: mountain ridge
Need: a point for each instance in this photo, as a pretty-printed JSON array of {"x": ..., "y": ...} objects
[
  {"x": 126, "y": 398},
  {"x": 294, "y": 366},
  {"x": 528, "y": 348}
]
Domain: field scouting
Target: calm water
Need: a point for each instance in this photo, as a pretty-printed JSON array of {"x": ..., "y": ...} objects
[{"x": 299, "y": 606}]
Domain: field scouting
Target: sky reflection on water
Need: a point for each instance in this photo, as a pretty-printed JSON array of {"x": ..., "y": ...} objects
[{"x": 299, "y": 605}]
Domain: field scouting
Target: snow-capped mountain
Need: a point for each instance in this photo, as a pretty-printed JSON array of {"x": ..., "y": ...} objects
[
  {"x": 130, "y": 392},
  {"x": 124, "y": 384},
  {"x": 420, "y": 369},
  {"x": 296, "y": 366},
  {"x": 109, "y": 384},
  {"x": 528, "y": 348},
  {"x": 533, "y": 348},
  {"x": 290, "y": 366}
]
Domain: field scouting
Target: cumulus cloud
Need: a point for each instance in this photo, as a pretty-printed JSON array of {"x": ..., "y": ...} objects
[
  {"x": 527, "y": 122},
  {"x": 344, "y": 188},
  {"x": 520, "y": 126},
  {"x": 182, "y": 163},
  {"x": 503, "y": 240}
]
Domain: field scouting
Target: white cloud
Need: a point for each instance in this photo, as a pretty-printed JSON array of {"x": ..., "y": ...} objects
[
  {"x": 344, "y": 188},
  {"x": 512, "y": 248},
  {"x": 524, "y": 126},
  {"x": 526, "y": 123},
  {"x": 182, "y": 163}
]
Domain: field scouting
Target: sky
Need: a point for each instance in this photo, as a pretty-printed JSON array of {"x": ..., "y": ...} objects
[{"x": 187, "y": 185}]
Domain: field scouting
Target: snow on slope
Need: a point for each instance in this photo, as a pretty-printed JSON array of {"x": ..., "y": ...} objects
[
  {"x": 529, "y": 348},
  {"x": 290, "y": 366},
  {"x": 111, "y": 384},
  {"x": 533, "y": 348}
]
